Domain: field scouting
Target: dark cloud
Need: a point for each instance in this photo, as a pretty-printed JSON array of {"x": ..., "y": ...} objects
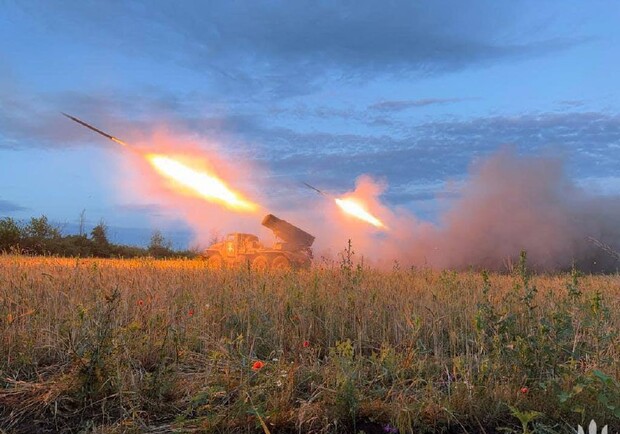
[
  {"x": 280, "y": 48},
  {"x": 377, "y": 114},
  {"x": 573, "y": 103},
  {"x": 400, "y": 105},
  {"x": 441, "y": 150},
  {"x": 31, "y": 120},
  {"x": 7, "y": 206},
  {"x": 591, "y": 139}
]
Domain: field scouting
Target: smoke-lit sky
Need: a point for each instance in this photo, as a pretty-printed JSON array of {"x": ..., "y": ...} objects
[{"x": 409, "y": 92}]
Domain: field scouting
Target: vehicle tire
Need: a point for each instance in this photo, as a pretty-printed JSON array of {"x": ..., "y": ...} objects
[
  {"x": 260, "y": 263},
  {"x": 215, "y": 262},
  {"x": 281, "y": 263}
]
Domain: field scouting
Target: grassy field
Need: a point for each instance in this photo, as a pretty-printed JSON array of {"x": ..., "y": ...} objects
[{"x": 108, "y": 346}]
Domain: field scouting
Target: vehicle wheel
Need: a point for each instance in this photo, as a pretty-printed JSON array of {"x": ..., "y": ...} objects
[
  {"x": 215, "y": 262},
  {"x": 281, "y": 263},
  {"x": 260, "y": 263}
]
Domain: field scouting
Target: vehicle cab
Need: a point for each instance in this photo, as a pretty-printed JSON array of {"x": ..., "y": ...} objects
[{"x": 240, "y": 244}]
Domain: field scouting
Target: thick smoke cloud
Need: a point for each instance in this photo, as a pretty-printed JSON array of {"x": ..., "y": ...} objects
[{"x": 509, "y": 203}]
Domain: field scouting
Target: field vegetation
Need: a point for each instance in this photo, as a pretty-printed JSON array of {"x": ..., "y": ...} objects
[{"x": 145, "y": 345}]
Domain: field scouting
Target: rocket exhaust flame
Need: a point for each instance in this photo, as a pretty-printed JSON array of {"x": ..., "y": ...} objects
[
  {"x": 353, "y": 207},
  {"x": 203, "y": 184},
  {"x": 200, "y": 183},
  {"x": 357, "y": 210}
]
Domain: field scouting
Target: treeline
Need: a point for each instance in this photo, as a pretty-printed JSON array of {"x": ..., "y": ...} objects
[{"x": 39, "y": 237}]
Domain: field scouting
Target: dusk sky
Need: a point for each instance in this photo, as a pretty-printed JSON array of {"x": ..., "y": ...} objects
[{"x": 408, "y": 92}]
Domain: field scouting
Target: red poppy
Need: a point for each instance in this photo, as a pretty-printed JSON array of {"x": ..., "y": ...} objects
[
  {"x": 306, "y": 344},
  {"x": 257, "y": 366},
  {"x": 191, "y": 312},
  {"x": 140, "y": 302},
  {"x": 524, "y": 390}
]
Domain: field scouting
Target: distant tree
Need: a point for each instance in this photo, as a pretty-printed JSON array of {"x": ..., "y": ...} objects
[
  {"x": 10, "y": 234},
  {"x": 41, "y": 229},
  {"x": 74, "y": 245},
  {"x": 99, "y": 236},
  {"x": 159, "y": 247},
  {"x": 40, "y": 236},
  {"x": 128, "y": 251}
]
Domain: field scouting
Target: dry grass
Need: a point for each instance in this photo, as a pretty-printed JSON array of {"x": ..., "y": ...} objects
[{"x": 144, "y": 345}]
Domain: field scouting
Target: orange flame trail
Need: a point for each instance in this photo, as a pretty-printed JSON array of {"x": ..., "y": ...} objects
[
  {"x": 358, "y": 210},
  {"x": 200, "y": 183}
]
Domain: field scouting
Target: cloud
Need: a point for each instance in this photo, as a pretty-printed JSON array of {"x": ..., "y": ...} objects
[
  {"x": 400, "y": 105},
  {"x": 281, "y": 48},
  {"x": 441, "y": 149},
  {"x": 590, "y": 138},
  {"x": 572, "y": 103},
  {"x": 7, "y": 206},
  {"x": 377, "y": 114},
  {"x": 34, "y": 120}
]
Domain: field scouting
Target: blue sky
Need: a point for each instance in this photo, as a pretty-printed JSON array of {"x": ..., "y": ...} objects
[{"x": 409, "y": 92}]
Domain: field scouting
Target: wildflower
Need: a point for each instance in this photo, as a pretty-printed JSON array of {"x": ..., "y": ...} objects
[
  {"x": 257, "y": 366},
  {"x": 140, "y": 302},
  {"x": 306, "y": 344},
  {"x": 191, "y": 312},
  {"x": 524, "y": 390}
]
